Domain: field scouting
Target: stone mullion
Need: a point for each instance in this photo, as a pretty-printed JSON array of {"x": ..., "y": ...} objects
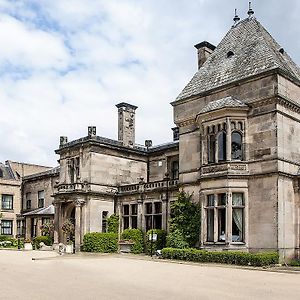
[{"x": 228, "y": 140}]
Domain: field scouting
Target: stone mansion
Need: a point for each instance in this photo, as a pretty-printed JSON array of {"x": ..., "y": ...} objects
[{"x": 236, "y": 147}]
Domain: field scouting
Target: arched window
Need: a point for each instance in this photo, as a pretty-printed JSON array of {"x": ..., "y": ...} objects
[
  {"x": 211, "y": 148},
  {"x": 236, "y": 146},
  {"x": 222, "y": 146}
]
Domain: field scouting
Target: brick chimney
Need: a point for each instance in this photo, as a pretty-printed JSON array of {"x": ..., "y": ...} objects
[
  {"x": 204, "y": 49},
  {"x": 126, "y": 123}
]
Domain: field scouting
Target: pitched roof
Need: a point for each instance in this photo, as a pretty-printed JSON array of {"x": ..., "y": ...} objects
[
  {"x": 41, "y": 211},
  {"x": 5, "y": 172},
  {"x": 254, "y": 52},
  {"x": 221, "y": 103}
]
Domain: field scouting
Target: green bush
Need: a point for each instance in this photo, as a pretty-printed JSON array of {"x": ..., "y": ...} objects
[
  {"x": 294, "y": 263},
  {"x": 47, "y": 240},
  {"x": 100, "y": 242},
  {"x": 135, "y": 235},
  {"x": 113, "y": 224},
  {"x": 185, "y": 217},
  {"x": 8, "y": 242},
  {"x": 176, "y": 239},
  {"x": 225, "y": 257},
  {"x": 157, "y": 245}
]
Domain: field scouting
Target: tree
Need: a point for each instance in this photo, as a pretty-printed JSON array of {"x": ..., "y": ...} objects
[{"x": 185, "y": 219}]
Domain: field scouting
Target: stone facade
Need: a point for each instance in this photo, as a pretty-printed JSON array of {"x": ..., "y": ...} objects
[
  {"x": 11, "y": 175},
  {"x": 235, "y": 149}
]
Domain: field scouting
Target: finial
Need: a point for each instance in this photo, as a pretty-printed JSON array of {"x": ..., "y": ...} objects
[
  {"x": 250, "y": 11},
  {"x": 236, "y": 17}
]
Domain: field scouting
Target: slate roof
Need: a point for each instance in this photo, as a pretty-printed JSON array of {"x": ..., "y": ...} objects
[
  {"x": 255, "y": 52},
  {"x": 52, "y": 172},
  {"x": 221, "y": 103},
  {"x": 5, "y": 172},
  {"x": 41, "y": 211}
]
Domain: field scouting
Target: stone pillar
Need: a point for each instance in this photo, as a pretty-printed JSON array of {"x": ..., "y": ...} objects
[
  {"x": 140, "y": 214},
  {"x": 164, "y": 214},
  {"x": 38, "y": 226},
  {"x": 28, "y": 228},
  {"x": 56, "y": 222},
  {"x": 78, "y": 238}
]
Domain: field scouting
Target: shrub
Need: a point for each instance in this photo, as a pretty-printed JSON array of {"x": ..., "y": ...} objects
[
  {"x": 135, "y": 235},
  {"x": 47, "y": 228},
  {"x": 8, "y": 241},
  {"x": 186, "y": 218},
  {"x": 100, "y": 242},
  {"x": 225, "y": 257},
  {"x": 294, "y": 263},
  {"x": 113, "y": 224},
  {"x": 47, "y": 240},
  {"x": 159, "y": 243},
  {"x": 176, "y": 239}
]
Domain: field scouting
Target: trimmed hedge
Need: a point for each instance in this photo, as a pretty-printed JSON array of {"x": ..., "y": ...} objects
[
  {"x": 224, "y": 257},
  {"x": 100, "y": 242},
  {"x": 135, "y": 235},
  {"x": 47, "y": 240},
  {"x": 159, "y": 244}
]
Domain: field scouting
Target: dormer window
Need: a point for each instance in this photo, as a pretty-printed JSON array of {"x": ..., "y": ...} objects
[
  {"x": 229, "y": 54},
  {"x": 281, "y": 50}
]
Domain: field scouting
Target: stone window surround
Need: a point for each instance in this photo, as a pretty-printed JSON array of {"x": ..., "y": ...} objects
[
  {"x": 228, "y": 207},
  {"x": 11, "y": 204},
  {"x": 221, "y": 125},
  {"x": 41, "y": 198},
  {"x": 130, "y": 215},
  {"x": 6, "y": 227}
]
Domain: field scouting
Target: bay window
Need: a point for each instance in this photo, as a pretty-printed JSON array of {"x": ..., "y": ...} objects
[{"x": 218, "y": 208}]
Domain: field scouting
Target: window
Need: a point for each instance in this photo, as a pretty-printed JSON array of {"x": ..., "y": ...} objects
[
  {"x": 211, "y": 148},
  {"x": 28, "y": 200},
  {"x": 222, "y": 146},
  {"x": 125, "y": 216},
  {"x": 21, "y": 227},
  {"x": 7, "y": 202},
  {"x": 1, "y": 173},
  {"x": 6, "y": 227},
  {"x": 216, "y": 215},
  {"x": 238, "y": 207},
  {"x": 236, "y": 146},
  {"x": 41, "y": 199},
  {"x": 130, "y": 216},
  {"x": 104, "y": 221},
  {"x": 74, "y": 169},
  {"x": 175, "y": 169},
  {"x": 153, "y": 215}
]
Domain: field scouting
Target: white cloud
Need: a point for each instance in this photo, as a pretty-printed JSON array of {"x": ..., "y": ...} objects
[{"x": 66, "y": 63}]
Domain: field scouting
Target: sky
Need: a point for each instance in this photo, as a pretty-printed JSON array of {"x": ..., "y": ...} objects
[{"x": 65, "y": 64}]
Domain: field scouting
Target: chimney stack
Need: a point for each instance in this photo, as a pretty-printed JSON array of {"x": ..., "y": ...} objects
[
  {"x": 205, "y": 49},
  {"x": 126, "y": 123},
  {"x": 91, "y": 131},
  {"x": 63, "y": 140}
]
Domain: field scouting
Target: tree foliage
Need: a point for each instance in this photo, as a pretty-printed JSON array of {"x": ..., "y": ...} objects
[
  {"x": 185, "y": 219},
  {"x": 113, "y": 224}
]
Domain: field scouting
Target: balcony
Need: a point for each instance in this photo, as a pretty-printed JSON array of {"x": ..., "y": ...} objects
[
  {"x": 149, "y": 186},
  {"x": 73, "y": 187}
]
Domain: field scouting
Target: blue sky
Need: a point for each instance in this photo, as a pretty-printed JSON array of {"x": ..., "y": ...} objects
[{"x": 64, "y": 64}]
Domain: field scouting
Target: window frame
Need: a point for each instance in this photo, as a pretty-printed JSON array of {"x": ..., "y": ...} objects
[
  {"x": 41, "y": 199},
  {"x": 5, "y": 227},
  {"x": 11, "y": 203},
  {"x": 213, "y": 209}
]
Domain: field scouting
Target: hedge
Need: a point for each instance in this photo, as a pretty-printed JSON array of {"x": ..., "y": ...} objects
[
  {"x": 100, "y": 242},
  {"x": 159, "y": 244},
  {"x": 135, "y": 235},
  {"x": 225, "y": 257},
  {"x": 47, "y": 240}
]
